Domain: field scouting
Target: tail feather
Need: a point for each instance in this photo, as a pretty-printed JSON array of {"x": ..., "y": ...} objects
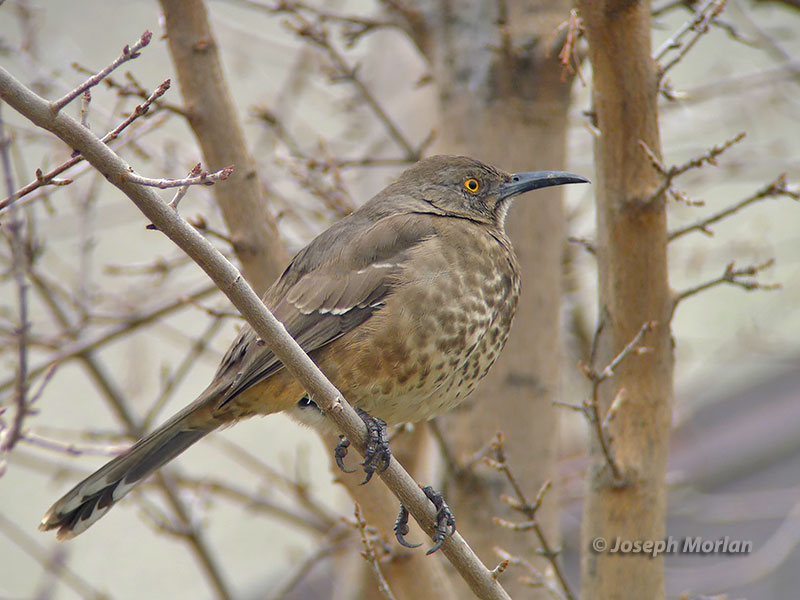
[{"x": 92, "y": 498}]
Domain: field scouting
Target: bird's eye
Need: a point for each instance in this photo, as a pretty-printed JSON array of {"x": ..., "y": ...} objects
[{"x": 472, "y": 185}]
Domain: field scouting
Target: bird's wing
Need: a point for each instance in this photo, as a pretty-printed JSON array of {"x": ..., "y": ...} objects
[{"x": 331, "y": 286}]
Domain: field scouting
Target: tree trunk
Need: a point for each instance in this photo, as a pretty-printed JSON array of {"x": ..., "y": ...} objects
[{"x": 634, "y": 289}]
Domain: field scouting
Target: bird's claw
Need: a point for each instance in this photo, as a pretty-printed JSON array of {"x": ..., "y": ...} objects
[
  {"x": 445, "y": 522},
  {"x": 401, "y": 528},
  {"x": 340, "y": 452},
  {"x": 377, "y": 455}
]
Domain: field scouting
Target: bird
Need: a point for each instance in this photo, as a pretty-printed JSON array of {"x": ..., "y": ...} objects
[{"x": 404, "y": 304}]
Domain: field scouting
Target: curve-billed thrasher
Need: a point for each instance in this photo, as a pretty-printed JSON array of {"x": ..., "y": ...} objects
[{"x": 404, "y": 305}]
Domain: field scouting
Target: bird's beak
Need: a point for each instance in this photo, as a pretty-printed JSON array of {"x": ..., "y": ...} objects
[{"x": 525, "y": 182}]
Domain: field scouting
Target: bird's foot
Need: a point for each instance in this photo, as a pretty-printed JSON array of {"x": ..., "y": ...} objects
[
  {"x": 445, "y": 521},
  {"x": 377, "y": 455}
]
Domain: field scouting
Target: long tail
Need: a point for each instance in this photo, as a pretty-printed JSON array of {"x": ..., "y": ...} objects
[{"x": 94, "y": 496}]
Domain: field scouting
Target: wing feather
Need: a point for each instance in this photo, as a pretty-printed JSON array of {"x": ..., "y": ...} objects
[{"x": 332, "y": 286}]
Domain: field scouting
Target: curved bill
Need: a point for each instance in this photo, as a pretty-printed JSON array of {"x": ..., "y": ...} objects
[{"x": 533, "y": 180}]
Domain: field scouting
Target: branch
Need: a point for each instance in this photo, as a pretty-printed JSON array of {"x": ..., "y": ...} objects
[
  {"x": 128, "y": 53},
  {"x": 671, "y": 173},
  {"x": 529, "y": 509},
  {"x": 230, "y": 281},
  {"x": 776, "y": 188},
  {"x": 78, "y": 349},
  {"x": 699, "y": 25},
  {"x": 369, "y": 554},
  {"x": 201, "y": 178},
  {"x": 731, "y": 276},
  {"x": 19, "y": 245},
  {"x": 591, "y": 407},
  {"x": 49, "y": 177},
  {"x": 318, "y": 36}
]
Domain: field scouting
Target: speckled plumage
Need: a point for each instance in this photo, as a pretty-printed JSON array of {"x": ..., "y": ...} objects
[{"x": 404, "y": 304}]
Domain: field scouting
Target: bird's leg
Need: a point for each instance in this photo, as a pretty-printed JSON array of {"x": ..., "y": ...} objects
[
  {"x": 445, "y": 521},
  {"x": 377, "y": 455}
]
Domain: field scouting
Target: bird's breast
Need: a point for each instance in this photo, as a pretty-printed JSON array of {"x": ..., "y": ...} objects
[{"x": 439, "y": 332}]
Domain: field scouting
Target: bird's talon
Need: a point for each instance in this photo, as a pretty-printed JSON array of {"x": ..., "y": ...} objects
[
  {"x": 445, "y": 521},
  {"x": 377, "y": 455},
  {"x": 401, "y": 528},
  {"x": 340, "y": 452}
]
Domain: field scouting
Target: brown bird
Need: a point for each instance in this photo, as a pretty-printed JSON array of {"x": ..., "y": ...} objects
[{"x": 404, "y": 305}]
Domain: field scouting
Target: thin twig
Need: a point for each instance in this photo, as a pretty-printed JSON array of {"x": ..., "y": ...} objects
[
  {"x": 590, "y": 407},
  {"x": 742, "y": 278},
  {"x": 204, "y": 178},
  {"x": 49, "y": 177},
  {"x": 369, "y": 554},
  {"x": 29, "y": 546},
  {"x": 703, "y": 16},
  {"x": 335, "y": 539},
  {"x": 318, "y": 35},
  {"x": 671, "y": 173},
  {"x": 774, "y": 189},
  {"x": 20, "y": 258},
  {"x": 128, "y": 53},
  {"x": 146, "y": 317},
  {"x": 521, "y": 504}
]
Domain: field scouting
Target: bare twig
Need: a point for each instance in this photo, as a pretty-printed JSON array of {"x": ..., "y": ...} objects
[
  {"x": 699, "y": 24},
  {"x": 146, "y": 317},
  {"x": 203, "y": 178},
  {"x": 128, "y": 53},
  {"x": 49, "y": 177},
  {"x": 521, "y": 504},
  {"x": 742, "y": 278},
  {"x": 133, "y": 89},
  {"x": 369, "y": 554},
  {"x": 72, "y": 448},
  {"x": 334, "y": 540},
  {"x": 20, "y": 257},
  {"x": 29, "y": 546},
  {"x": 318, "y": 36},
  {"x": 777, "y": 188},
  {"x": 591, "y": 406},
  {"x": 86, "y": 98},
  {"x": 305, "y": 520},
  {"x": 669, "y": 174},
  {"x": 568, "y": 55}
]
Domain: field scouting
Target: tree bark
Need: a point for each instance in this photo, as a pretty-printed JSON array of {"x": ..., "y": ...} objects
[{"x": 634, "y": 289}]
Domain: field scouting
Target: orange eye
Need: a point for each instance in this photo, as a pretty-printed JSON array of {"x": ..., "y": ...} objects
[{"x": 472, "y": 185}]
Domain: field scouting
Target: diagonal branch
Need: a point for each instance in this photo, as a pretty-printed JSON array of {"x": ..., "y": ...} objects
[{"x": 231, "y": 282}]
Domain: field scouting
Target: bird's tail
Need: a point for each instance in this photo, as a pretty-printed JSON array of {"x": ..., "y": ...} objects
[{"x": 84, "y": 504}]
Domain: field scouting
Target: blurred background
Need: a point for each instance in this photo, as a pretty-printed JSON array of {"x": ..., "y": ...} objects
[{"x": 734, "y": 468}]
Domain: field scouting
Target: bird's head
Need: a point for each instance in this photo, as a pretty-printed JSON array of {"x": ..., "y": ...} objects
[{"x": 464, "y": 187}]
